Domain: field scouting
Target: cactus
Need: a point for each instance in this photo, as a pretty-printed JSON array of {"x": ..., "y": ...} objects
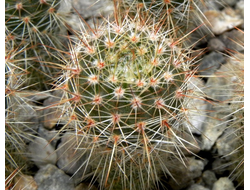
[
  {"x": 15, "y": 79},
  {"x": 38, "y": 26},
  {"x": 181, "y": 12},
  {"x": 33, "y": 21},
  {"x": 128, "y": 85},
  {"x": 30, "y": 27}
]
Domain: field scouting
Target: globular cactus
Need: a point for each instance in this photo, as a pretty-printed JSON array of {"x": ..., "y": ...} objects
[
  {"x": 180, "y": 13},
  {"x": 128, "y": 86},
  {"x": 33, "y": 21},
  {"x": 15, "y": 80},
  {"x": 38, "y": 26}
]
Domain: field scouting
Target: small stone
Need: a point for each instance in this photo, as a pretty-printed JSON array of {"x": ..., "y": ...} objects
[
  {"x": 50, "y": 177},
  {"x": 220, "y": 166},
  {"x": 233, "y": 40},
  {"x": 214, "y": 126},
  {"x": 25, "y": 182},
  {"x": 184, "y": 175},
  {"x": 52, "y": 112},
  {"x": 71, "y": 160},
  {"x": 26, "y": 113},
  {"x": 225, "y": 81},
  {"x": 215, "y": 44},
  {"x": 212, "y": 5},
  {"x": 196, "y": 115},
  {"x": 191, "y": 144},
  {"x": 223, "y": 184},
  {"x": 226, "y": 3},
  {"x": 89, "y": 10},
  {"x": 41, "y": 152},
  {"x": 240, "y": 8},
  {"x": 218, "y": 88},
  {"x": 195, "y": 110},
  {"x": 51, "y": 136},
  {"x": 23, "y": 121},
  {"x": 210, "y": 63},
  {"x": 221, "y": 21},
  {"x": 226, "y": 144},
  {"x": 197, "y": 187},
  {"x": 195, "y": 167},
  {"x": 209, "y": 178},
  {"x": 35, "y": 96},
  {"x": 58, "y": 93}
]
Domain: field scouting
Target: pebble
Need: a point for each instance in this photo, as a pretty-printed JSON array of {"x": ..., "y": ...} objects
[
  {"x": 221, "y": 21},
  {"x": 26, "y": 113},
  {"x": 197, "y": 187},
  {"x": 52, "y": 112},
  {"x": 226, "y": 3},
  {"x": 220, "y": 166},
  {"x": 224, "y": 183},
  {"x": 209, "y": 178},
  {"x": 191, "y": 144},
  {"x": 41, "y": 152},
  {"x": 219, "y": 88},
  {"x": 50, "y": 177},
  {"x": 215, "y": 44},
  {"x": 87, "y": 9},
  {"x": 225, "y": 83},
  {"x": 35, "y": 96},
  {"x": 210, "y": 63},
  {"x": 240, "y": 8},
  {"x": 25, "y": 121},
  {"x": 70, "y": 160},
  {"x": 195, "y": 167},
  {"x": 51, "y": 136},
  {"x": 196, "y": 107},
  {"x": 234, "y": 40},
  {"x": 214, "y": 126},
  {"x": 25, "y": 182},
  {"x": 184, "y": 175},
  {"x": 211, "y": 5},
  {"x": 195, "y": 115},
  {"x": 226, "y": 143}
]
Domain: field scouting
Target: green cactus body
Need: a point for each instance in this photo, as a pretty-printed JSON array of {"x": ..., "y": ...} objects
[{"x": 127, "y": 84}]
